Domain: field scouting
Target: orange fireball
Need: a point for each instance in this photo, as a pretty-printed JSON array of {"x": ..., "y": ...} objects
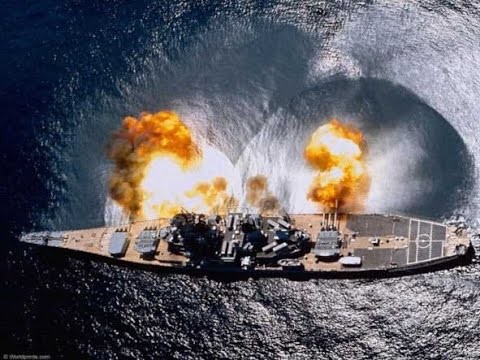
[
  {"x": 159, "y": 168},
  {"x": 336, "y": 151}
]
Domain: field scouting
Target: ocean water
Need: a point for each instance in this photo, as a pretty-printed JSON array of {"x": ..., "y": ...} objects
[{"x": 252, "y": 80}]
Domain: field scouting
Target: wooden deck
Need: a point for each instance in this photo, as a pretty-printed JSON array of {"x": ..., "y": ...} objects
[{"x": 424, "y": 241}]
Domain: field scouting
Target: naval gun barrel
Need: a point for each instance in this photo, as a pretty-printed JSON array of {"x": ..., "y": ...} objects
[
  {"x": 283, "y": 223},
  {"x": 272, "y": 223}
]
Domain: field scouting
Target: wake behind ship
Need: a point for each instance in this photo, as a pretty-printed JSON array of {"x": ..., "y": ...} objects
[{"x": 301, "y": 245}]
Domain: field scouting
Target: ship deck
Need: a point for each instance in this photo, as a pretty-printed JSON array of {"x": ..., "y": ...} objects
[{"x": 402, "y": 242}]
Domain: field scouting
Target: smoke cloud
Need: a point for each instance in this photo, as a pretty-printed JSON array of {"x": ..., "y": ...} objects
[
  {"x": 214, "y": 195},
  {"x": 259, "y": 196}
]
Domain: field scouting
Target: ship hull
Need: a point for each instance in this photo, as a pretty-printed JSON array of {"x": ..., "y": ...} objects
[
  {"x": 231, "y": 273},
  {"x": 241, "y": 246}
]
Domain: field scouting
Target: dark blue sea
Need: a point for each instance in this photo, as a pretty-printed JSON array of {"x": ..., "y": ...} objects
[{"x": 253, "y": 79}]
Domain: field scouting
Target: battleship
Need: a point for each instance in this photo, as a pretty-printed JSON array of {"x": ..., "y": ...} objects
[{"x": 301, "y": 246}]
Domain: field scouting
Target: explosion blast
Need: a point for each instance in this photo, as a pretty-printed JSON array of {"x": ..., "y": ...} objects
[
  {"x": 157, "y": 168},
  {"x": 336, "y": 151}
]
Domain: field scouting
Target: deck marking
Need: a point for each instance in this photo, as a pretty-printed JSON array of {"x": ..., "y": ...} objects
[
  {"x": 422, "y": 239},
  {"x": 409, "y": 237},
  {"x": 426, "y": 260},
  {"x": 431, "y": 238},
  {"x": 416, "y": 242}
]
